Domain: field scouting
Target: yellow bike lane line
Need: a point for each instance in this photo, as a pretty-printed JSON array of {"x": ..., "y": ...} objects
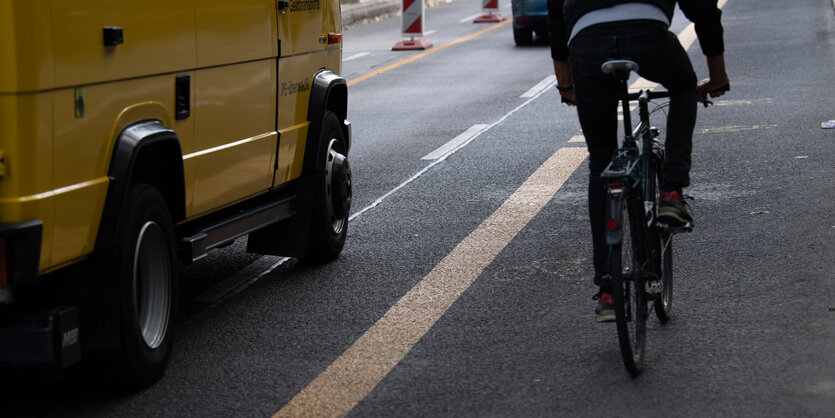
[
  {"x": 352, "y": 376},
  {"x": 363, "y": 365}
]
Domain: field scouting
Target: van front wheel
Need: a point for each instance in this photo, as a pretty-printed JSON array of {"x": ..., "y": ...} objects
[{"x": 333, "y": 193}]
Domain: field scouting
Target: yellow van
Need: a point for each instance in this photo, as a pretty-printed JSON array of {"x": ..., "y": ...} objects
[{"x": 136, "y": 135}]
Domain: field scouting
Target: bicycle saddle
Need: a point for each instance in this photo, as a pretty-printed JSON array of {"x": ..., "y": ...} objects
[{"x": 613, "y": 66}]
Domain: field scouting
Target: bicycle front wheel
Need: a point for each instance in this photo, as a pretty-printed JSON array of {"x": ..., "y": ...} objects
[
  {"x": 664, "y": 304},
  {"x": 661, "y": 241},
  {"x": 630, "y": 298}
]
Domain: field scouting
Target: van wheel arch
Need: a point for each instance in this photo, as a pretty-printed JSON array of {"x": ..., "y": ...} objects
[
  {"x": 329, "y": 93},
  {"x": 146, "y": 152}
]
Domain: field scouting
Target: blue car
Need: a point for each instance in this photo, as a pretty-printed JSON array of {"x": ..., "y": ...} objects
[{"x": 529, "y": 17}]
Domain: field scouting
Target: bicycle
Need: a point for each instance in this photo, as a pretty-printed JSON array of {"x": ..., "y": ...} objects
[{"x": 633, "y": 235}]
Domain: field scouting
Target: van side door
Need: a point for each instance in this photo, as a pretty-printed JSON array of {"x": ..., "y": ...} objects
[{"x": 235, "y": 102}]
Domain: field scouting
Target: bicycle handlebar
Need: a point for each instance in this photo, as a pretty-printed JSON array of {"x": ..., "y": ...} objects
[{"x": 649, "y": 95}]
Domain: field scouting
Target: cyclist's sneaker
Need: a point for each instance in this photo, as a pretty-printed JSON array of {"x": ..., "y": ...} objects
[
  {"x": 605, "y": 310},
  {"x": 672, "y": 210}
]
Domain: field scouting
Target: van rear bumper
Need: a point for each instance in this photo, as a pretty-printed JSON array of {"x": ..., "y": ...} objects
[{"x": 44, "y": 340}]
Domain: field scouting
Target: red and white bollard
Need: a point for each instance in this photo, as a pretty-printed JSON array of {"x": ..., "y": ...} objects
[
  {"x": 491, "y": 12},
  {"x": 412, "y": 18}
]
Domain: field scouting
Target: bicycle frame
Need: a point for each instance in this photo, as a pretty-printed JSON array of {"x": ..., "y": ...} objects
[{"x": 628, "y": 173}]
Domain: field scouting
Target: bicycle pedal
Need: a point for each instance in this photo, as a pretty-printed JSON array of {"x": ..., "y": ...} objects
[{"x": 688, "y": 227}]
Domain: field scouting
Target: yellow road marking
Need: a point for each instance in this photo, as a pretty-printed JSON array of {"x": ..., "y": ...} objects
[
  {"x": 743, "y": 102},
  {"x": 363, "y": 365},
  {"x": 734, "y": 128},
  {"x": 425, "y": 53},
  {"x": 577, "y": 138}
]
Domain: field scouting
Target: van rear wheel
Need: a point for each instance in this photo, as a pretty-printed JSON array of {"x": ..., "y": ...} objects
[{"x": 145, "y": 265}]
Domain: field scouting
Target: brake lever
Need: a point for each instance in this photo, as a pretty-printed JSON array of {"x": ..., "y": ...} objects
[{"x": 723, "y": 89}]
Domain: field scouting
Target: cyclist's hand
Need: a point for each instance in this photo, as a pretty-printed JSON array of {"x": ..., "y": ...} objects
[
  {"x": 712, "y": 88},
  {"x": 568, "y": 97},
  {"x": 562, "y": 69},
  {"x": 718, "y": 83}
]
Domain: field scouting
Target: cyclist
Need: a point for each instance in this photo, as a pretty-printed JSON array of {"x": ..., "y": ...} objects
[{"x": 586, "y": 33}]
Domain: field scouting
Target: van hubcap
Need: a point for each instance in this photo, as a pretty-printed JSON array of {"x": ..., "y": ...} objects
[
  {"x": 337, "y": 187},
  {"x": 152, "y": 284}
]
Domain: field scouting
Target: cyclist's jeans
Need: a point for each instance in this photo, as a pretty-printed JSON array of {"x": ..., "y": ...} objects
[{"x": 661, "y": 59}]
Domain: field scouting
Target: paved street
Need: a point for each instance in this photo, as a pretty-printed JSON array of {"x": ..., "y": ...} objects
[{"x": 465, "y": 285}]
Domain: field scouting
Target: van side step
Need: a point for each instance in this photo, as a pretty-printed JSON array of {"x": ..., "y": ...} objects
[{"x": 227, "y": 230}]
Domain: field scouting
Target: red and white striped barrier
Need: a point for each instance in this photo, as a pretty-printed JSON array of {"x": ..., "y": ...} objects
[
  {"x": 412, "y": 18},
  {"x": 491, "y": 12}
]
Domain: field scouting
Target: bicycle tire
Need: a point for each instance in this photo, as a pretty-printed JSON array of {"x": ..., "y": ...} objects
[
  {"x": 662, "y": 241},
  {"x": 630, "y": 298},
  {"x": 664, "y": 303}
]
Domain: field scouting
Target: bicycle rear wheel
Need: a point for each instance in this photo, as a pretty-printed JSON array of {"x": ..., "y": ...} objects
[{"x": 630, "y": 298}]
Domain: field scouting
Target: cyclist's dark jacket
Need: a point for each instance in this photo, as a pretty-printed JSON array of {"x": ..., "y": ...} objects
[{"x": 563, "y": 14}]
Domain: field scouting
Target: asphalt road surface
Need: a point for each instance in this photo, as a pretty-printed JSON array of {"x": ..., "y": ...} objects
[{"x": 465, "y": 286}]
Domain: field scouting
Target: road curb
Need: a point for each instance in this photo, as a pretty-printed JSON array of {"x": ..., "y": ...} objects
[{"x": 357, "y": 13}]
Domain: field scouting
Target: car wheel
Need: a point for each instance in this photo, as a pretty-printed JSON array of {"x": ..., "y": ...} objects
[{"x": 522, "y": 36}]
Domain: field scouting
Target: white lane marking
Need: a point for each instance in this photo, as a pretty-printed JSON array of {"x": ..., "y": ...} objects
[
  {"x": 456, "y": 142},
  {"x": 439, "y": 160},
  {"x": 264, "y": 259},
  {"x": 544, "y": 84},
  {"x": 577, "y": 138},
  {"x": 469, "y": 19},
  {"x": 355, "y": 56},
  {"x": 429, "y": 32},
  {"x": 356, "y": 372}
]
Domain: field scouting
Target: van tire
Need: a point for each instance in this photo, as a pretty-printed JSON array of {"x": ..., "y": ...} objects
[
  {"x": 332, "y": 193},
  {"x": 145, "y": 264}
]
